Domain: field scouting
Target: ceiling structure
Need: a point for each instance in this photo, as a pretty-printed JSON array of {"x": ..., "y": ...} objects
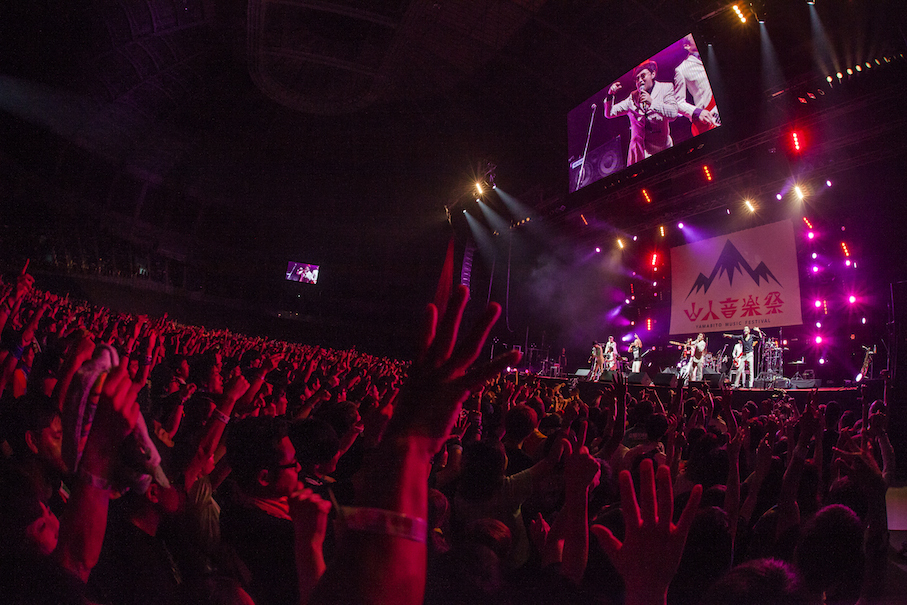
[{"x": 239, "y": 134}]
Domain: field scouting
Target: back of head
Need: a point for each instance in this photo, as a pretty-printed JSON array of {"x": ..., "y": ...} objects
[
  {"x": 31, "y": 413},
  {"x": 520, "y": 422},
  {"x": 484, "y": 463},
  {"x": 253, "y": 444},
  {"x": 830, "y": 551},
  {"x": 315, "y": 440},
  {"x": 758, "y": 582}
]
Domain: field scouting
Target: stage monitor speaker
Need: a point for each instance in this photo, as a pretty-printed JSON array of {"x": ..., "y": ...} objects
[
  {"x": 607, "y": 376},
  {"x": 600, "y": 162},
  {"x": 781, "y": 383},
  {"x": 665, "y": 379},
  {"x": 760, "y": 383},
  {"x": 582, "y": 372},
  {"x": 811, "y": 383},
  {"x": 640, "y": 378},
  {"x": 713, "y": 378}
]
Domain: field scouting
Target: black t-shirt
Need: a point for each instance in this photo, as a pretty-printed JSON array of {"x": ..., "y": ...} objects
[
  {"x": 266, "y": 545},
  {"x": 134, "y": 568}
]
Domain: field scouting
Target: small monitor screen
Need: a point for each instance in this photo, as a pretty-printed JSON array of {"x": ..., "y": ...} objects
[
  {"x": 661, "y": 102},
  {"x": 301, "y": 272}
]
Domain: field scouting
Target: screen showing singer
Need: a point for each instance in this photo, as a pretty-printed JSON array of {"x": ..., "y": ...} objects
[{"x": 663, "y": 101}]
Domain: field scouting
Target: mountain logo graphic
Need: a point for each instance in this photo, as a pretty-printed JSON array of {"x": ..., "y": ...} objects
[{"x": 728, "y": 262}]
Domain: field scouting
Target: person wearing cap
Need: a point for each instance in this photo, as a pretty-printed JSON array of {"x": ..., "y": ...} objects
[{"x": 651, "y": 109}]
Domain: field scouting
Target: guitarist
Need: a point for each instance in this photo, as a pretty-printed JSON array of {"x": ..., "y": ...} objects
[{"x": 746, "y": 362}]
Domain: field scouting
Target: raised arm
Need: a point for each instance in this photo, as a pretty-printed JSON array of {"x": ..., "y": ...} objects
[{"x": 383, "y": 555}]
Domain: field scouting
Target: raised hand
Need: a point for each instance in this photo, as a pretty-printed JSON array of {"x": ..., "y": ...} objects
[
  {"x": 648, "y": 557},
  {"x": 441, "y": 379}
]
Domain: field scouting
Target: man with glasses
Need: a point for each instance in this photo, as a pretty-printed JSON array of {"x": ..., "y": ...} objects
[{"x": 258, "y": 523}]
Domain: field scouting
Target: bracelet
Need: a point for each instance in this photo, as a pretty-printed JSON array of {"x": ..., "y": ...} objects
[
  {"x": 385, "y": 522},
  {"x": 93, "y": 480},
  {"x": 218, "y": 415}
]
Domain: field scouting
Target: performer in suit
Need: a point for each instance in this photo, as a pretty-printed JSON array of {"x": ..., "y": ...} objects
[
  {"x": 697, "y": 358},
  {"x": 651, "y": 109},
  {"x": 690, "y": 79}
]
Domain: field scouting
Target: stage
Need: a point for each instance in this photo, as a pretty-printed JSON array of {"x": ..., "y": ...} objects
[{"x": 847, "y": 397}]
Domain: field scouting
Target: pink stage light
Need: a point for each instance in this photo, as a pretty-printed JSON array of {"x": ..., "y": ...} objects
[
  {"x": 815, "y": 268},
  {"x": 818, "y": 304},
  {"x": 598, "y": 249},
  {"x": 818, "y": 340},
  {"x": 852, "y": 299},
  {"x": 811, "y": 235}
]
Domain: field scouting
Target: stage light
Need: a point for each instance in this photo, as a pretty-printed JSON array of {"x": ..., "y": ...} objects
[
  {"x": 825, "y": 307},
  {"x": 799, "y": 192},
  {"x": 795, "y": 139},
  {"x": 818, "y": 324},
  {"x": 662, "y": 230},
  {"x": 778, "y": 197},
  {"x": 858, "y": 68},
  {"x": 464, "y": 210},
  {"x": 818, "y": 340},
  {"x": 811, "y": 235},
  {"x": 728, "y": 211},
  {"x": 808, "y": 224},
  {"x": 818, "y": 304},
  {"x": 852, "y": 299},
  {"x": 847, "y": 263},
  {"x": 654, "y": 284},
  {"x": 749, "y": 205},
  {"x": 829, "y": 79},
  {"x": 849, "y": 71},
  {"x": 784, "y": 343},
  {"x": 649, "y": 324},
  {"x": 859, "y": 377},
  {"x": 479, "y": 188},
  {"x": 822, "y": 361},
  {"x": 620, "y": 243},
  {"x": 626, "y": 301},
  {"x": 815, "y": 268},
  {"x": 654, "y": 259},
  {"x": 815, "y": 256},
  {"x": 828, "y": 183},
  {"x": 868, "y": 65},
  {"x": 739, "y": 14},
  {"x": 810, "y": 2},
  {"x": 840, "y": 75},
  {"x": 585, "y": 222},
  {"x": 597, "y": 250},
  {"x": 635, "y": 237},
  {"x": 680, "y": 225},
  {"x": 844, "y": 248},
  {"x": 645, "y": 194},
  {"x": 864, "y": 321},
  {"x": 708, "y": 173}
]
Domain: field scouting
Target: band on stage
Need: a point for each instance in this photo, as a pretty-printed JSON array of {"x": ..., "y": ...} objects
[{"x": 736, "y": 362}]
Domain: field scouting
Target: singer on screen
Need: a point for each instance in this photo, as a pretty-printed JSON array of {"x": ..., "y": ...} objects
[{"x": 651, "y": 108}]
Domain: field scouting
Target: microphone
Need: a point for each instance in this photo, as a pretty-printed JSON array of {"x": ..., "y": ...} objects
[{"x": 643, "y": 104}]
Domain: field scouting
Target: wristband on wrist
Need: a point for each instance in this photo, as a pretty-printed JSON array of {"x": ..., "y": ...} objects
[
  {"x": 218, "y": 415},
  {"x": 384, "y": 522},
  {"x": 93, "y": 480}
]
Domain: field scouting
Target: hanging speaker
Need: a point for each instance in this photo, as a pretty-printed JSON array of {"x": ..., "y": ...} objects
[{"x": 600, "y": 162}]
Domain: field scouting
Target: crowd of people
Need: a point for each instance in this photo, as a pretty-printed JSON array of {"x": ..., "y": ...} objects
[{"x": 146, "y": 461}]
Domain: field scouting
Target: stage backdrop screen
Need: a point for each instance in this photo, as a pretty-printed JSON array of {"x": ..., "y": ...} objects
[
  {"x": 746, "y": 278},
  {"x": 301, "y": 272},
  {"x": 663, "y": 101}
]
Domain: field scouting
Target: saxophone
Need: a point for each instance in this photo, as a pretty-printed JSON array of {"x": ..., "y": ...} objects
[{"x": 867, "y": 359}]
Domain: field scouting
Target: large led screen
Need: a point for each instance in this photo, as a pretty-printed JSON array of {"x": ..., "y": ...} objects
[
  {"x": 661, "y": 102},
  {"x": 301, "y": 272}
]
